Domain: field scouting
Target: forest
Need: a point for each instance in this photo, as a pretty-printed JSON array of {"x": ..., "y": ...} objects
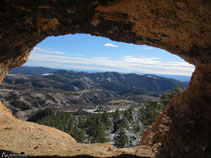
[{"x": 122, "y": 128}]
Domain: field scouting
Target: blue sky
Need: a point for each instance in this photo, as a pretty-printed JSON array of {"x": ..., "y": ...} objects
[{"x": 91, "y": 53}]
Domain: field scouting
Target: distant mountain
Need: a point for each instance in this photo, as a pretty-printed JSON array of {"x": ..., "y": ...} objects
[
  {"x": 34, "y": 71},
  {"x": 176, "y": 77},
  {"x": 114, "y": 81},
  {"x": 30, "y": 88}
]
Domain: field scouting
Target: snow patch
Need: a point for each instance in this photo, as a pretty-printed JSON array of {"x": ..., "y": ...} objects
[
  {"x": 140, "y": 74},
  {"x": 151, "y": 76},
  {"x": 108, "y": 79},
  {"x": 47, "y": 74},
  {"x": 11, "y": 74}
]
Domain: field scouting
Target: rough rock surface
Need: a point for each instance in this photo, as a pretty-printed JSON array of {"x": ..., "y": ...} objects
[
  {"x": 180, "y": 27},
  {"x": 186, "y": 121}
]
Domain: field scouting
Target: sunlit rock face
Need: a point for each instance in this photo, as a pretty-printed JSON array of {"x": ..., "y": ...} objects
[{"x": 180, "y": 27}]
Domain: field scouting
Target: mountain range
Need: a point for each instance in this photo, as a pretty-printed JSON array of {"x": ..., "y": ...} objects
[
  {"x": 28, "y": 89},
  {"x": 40, "y": 70}
]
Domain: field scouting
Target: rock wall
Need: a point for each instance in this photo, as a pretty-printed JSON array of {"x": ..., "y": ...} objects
[
  {"x": 180, "y": 27},
  {"x": 184, "y": 128}
]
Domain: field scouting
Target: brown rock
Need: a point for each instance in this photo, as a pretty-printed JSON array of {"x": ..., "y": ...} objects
[
  {"x": 185, "y": 125},
  {"x": 180, "y": 27}
]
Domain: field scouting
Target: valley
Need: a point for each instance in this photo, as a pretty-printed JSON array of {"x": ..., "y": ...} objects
[
  {"x": 25, "y": 90},
  {"x": 91, "y": 107}
]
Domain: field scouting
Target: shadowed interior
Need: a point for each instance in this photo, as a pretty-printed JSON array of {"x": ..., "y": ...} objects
[{"x": 180, "y": 27}]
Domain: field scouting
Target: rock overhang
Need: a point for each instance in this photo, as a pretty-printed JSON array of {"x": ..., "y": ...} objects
[{"x": 180, "y": 27}]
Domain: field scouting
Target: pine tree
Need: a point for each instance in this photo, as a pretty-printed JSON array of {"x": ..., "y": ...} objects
[
  {"x": 92, "y": 124},
  {"x": 124, "y": 124},
  {"x": 79, "y": 135},
  {"x": 101, "y": 135},
  {"x": 166, "y": 98},
  {"x": 81, "y": 121},
  {"x": 116, "y": 115},
  {"x": 105, "y": 118},
  {"x": 121, "y": 139},
  {"x": 149, "y": 112},
  {"x": 129, "y": 114},
  {"x": 71, "y": 125},
  {"x": 116, "y": 120}
]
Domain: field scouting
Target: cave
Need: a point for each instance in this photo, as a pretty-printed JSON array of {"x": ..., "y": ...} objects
[{"x": 180, "y": 27}]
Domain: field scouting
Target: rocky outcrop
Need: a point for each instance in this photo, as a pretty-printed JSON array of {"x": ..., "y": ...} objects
[{"x": 180, "y": 27}]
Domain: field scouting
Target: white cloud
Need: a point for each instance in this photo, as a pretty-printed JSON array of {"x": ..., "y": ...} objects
[
  {"x": 110, "y": 45},
  {"x": 101, "y": 58},
  {"x": 51, "y": 51},
  {"x": 47, "y": 50},
  {"x": 140, "y": 60},
  {"x": 79, "y": 55},
  {"x": 125, "y": 64},
  {"x": 147, "y": 47}
]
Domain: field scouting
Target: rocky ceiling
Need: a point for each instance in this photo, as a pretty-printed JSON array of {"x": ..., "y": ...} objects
[{"x": 182, "y": 27}]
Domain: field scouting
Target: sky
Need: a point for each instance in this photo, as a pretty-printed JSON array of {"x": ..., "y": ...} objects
[{"x": 84, "y": 52}]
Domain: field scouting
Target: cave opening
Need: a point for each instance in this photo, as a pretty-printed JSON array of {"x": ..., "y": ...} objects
[
  {"x": 181, "y": 27},
  {"x": 63, "y": 71}
]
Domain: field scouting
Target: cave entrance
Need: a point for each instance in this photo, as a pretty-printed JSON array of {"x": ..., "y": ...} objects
[{"x": 100, "y": 76}]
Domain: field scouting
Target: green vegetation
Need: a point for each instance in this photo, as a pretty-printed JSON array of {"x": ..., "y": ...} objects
[
  {"x": 165, "y": 99},
  {"x": 121, "y": 139},
  {"x": 151, "y": 109},
  {"x": 99, "y": 127},
  {"x": 149, "y": 112},
  {"x": 123, "y": 128}
]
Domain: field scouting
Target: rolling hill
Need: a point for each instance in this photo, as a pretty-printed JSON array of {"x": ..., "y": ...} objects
[{"x": 28, "y": 89}]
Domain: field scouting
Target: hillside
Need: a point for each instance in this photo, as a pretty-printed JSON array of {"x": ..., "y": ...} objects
[
  {"x": 25, "y": 90},
  {"x": 34, "y": 71}
]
